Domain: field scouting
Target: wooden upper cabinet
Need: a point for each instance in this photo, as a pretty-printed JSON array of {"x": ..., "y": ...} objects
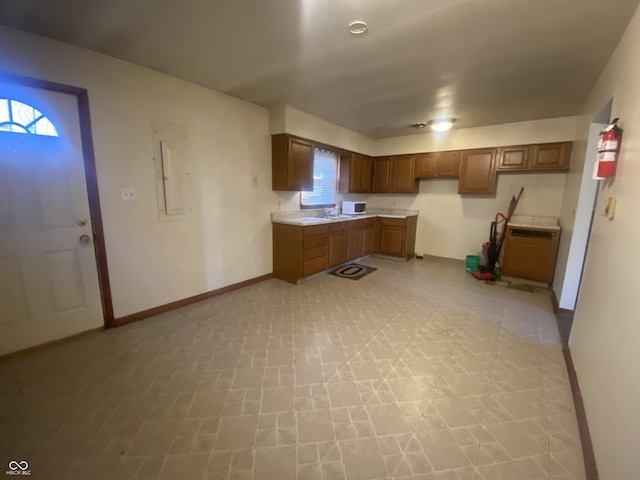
[
  {"x": 356, "y": 173},
  {"x": 366, "y": 174},
  {"x": 447, "y": 164},
  {"x": 513, "y": 158},
  {"x": 291, "y": 163},
  {"x": 478, "y": 172},
  {"x": 551, "y": 156},
  {"x": 438, "y": 164},
  {"x": 425, "y": 165},
  {"x": 381, "y": 174},
  {"x": 543, "y": 156},
  {"x": 403, "y": 178}
]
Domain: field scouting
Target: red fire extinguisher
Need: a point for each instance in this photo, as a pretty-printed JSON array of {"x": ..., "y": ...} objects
[{"x": 608, "y": 149}]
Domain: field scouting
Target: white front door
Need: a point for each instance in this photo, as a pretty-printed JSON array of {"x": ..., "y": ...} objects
[{"x": 48, "y": 275}]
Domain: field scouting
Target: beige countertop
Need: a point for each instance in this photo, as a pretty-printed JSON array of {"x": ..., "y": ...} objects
[
  {"x": 534, "y": 222},
  {"x": 314, "y": 216}
]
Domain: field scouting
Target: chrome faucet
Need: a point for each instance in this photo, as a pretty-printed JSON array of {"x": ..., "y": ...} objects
[{"x": 329, "y": 212}]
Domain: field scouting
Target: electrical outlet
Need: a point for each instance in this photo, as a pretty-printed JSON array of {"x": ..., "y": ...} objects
[
  {"x": 255, "y": 180},
  {"x": 127, "y": 194}
]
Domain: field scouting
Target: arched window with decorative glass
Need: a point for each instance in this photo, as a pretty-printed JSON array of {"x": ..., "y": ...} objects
[{"x": 18, "y": 117}]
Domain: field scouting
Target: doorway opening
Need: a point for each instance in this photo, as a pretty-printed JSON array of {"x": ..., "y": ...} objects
[{"x": 583, "y": 220}]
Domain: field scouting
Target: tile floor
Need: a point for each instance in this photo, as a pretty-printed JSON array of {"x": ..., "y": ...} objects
[{"x": 415, "y": 371}]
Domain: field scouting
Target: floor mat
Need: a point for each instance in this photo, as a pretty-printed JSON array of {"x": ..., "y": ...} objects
[{"x": 353, "y": 271}]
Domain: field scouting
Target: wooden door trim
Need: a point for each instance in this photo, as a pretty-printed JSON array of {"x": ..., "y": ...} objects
[{"x": 91, "y": 179}]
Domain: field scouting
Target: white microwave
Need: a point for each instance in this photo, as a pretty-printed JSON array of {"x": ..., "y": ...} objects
[{"x": 354, "y": 208}]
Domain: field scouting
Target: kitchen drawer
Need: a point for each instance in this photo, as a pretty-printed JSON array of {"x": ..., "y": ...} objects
[
  {"x": 338, "y": 227},
  {"x": 369, "y": 222},
  {"x": 315, "y": 241},
  {"x": 315, "y": 230},
  {"x": 354, "y": 224},
  {"x": 309, "y": 267},
  {"x": 315, "y": 252},
  {"x": 393, "y": 222}
]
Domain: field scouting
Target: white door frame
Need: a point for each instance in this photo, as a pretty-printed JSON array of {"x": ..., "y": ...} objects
[{"x": 84, "y": 119}]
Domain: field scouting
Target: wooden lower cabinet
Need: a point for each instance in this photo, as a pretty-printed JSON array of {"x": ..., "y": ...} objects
[
  {"x": 397, "y": 237},
  {"x": 354, "y": 242},
  {"x": 300, "y": 251},
  {"x": 337, "y": 244},
  {"x": 315, "y": 249},
  {"x": 369, "y": 239},
  {"x": 530, "y": 254}
]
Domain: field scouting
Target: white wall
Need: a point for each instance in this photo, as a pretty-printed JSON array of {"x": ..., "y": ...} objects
[
  {"x": 453, "y": 226},
  {"x": 559, "y": 129},
  {"x": 605, "y": 339},
  {"x": 286, "y": 119},
  {"x": 150, "y": 262}
]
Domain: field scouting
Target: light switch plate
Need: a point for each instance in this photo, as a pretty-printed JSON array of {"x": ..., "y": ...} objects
[{"x": 127, "y": 194}]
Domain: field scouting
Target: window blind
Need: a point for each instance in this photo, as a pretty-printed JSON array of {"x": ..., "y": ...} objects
[{"x": 325, "y": 173}]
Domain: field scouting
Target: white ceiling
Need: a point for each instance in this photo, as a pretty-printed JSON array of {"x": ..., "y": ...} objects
[{"x": 483, "y": 61}]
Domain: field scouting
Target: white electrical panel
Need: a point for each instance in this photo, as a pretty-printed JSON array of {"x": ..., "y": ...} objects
[{"x": 173, "y": 171}]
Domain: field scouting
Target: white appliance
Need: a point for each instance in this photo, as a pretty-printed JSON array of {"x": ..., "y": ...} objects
[{"x": 354, "y": 208}]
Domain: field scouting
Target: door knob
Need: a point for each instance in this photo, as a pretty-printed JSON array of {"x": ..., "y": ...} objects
[
  {"x": 85, "y": 239},
  {"x": 81, "y": 222}
]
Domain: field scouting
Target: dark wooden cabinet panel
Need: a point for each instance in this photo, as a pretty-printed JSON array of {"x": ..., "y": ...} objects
[
  {"x": 315, "y": 265},
  {"x": 478, "y": 172},
  {"x": 551, "y": 156},
  {"x": 447, "y": 164},
  {"x": 392, "y": 241},
  {"x": 315, "y": 249},
  {"x": 438, "y": 165},
  {"x": 513, "y": 158},
  {"x": 354, "y": 244},
  {"x": 530, "y": 257},
  {"x": 337, "y": 247},
  {"x": 381, "y": 175},
  {"x": 425, "y": 165},
  {"x": 356, "y": 173},
  {"x": 291, "y": 163},
  {"x": 410, "y": 237},
  {"x": 543, "y": 157},
  {"x": 368, "y": 240},
  {"x": 366, "y": 174},
  {"x": 287, "y": 252},
  {"x": 397, "y": 236},
  {"x": 355, "y": 180},
  {"x": 403, "y": 179}
]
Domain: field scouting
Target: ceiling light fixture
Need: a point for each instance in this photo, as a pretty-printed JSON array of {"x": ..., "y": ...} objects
[
  {"x": 358, "y": 28},
  {"x": 442, "y": 124},
  {"x": 419, "y": 125}
]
